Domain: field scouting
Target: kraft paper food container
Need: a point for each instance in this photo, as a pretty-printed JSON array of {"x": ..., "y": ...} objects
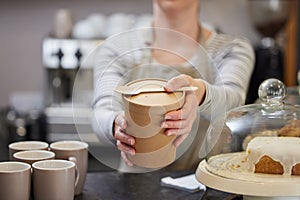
[
  {"x": 155, "y": 159},
  {"x": 144, "y": 114},
  {"x": 154, "y": 143},
  {"x": 154, "y": 152}
]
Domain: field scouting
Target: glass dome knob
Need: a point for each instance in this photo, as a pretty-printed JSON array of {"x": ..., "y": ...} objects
[{"x": 272, "y": 91}]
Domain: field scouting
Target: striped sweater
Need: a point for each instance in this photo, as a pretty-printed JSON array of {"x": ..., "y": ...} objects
[{"x": 224, "y": 62}]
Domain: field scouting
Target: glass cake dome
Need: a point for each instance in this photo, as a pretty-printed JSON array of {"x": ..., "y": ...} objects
[
  {"x": 226, "y": 166},
  {"x": 270, "y": 116}
]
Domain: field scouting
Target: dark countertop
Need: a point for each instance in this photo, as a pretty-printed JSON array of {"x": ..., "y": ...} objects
[{"x": 113, "y": 185}]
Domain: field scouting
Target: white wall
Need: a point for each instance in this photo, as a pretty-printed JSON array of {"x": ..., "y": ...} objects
[
  {"x": 23, "y": 24},
  {"x": 230, "y": 16}
]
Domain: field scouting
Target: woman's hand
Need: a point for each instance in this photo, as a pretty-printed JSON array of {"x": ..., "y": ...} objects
[
  {"x": 124, "y": 141},
  {"x": 180, "y": 122}
]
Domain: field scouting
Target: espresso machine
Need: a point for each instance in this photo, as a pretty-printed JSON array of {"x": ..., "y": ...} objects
[
  {"x": 67, "y": 62},
  {"x": 63, "y": 61},
  {"x": 269, "y": 18}
]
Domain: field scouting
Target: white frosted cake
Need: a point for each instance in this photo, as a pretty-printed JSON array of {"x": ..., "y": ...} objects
[{"x": 274, "y": 155}]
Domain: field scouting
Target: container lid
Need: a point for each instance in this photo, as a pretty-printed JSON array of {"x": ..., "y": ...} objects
[
  {"x": 153, "y": 98},
  {"x": 269, "y": 117}
]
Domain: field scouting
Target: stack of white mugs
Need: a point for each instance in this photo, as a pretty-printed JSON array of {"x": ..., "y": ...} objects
[{"x": 44, "y": 172}]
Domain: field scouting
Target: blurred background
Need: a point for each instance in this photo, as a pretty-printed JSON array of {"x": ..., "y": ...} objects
[{"x": 43, "y": 43}]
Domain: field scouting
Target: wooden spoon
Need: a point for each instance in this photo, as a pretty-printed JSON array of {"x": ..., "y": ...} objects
[{"x": 127, "y": 90}]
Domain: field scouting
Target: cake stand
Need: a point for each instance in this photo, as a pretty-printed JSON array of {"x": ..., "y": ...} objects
[{"x": 229, "y": 173}]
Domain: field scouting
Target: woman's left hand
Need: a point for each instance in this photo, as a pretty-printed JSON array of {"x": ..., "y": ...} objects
[{"x": 180, "y": 122}]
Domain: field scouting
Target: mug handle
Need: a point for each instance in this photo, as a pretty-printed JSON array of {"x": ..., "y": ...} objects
[{"x": 74, "y": 160}]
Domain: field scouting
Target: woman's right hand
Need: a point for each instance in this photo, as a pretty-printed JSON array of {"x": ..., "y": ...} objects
[{"x": 125, "y": 142}]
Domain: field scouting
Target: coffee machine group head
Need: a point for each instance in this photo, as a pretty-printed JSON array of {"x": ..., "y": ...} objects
[{"x": 63, "y": 62}]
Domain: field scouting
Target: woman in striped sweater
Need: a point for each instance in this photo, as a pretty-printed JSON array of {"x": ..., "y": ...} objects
[{"x": 219, "y": 89}]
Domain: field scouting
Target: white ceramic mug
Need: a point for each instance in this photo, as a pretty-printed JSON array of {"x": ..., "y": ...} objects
[
  {"x": 76, "y": 151},
  {"x": 15, "y": 180},
  {"x": 54, "y": 179},
  {"x": 32, "y": 156},
  {"x": 26, "y": 145}
]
